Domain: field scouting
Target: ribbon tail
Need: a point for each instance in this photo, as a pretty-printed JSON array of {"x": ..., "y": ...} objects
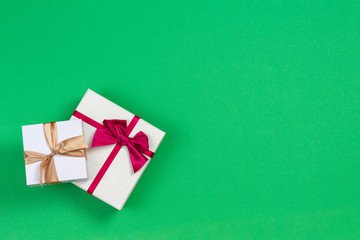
[
  {"x": 50, "y": 176},
  {"x": 42, "y": 169},
  {"x": 138, "y": 160}
]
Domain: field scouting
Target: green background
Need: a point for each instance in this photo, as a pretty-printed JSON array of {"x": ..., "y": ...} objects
[{"x": 259, "y": 99}]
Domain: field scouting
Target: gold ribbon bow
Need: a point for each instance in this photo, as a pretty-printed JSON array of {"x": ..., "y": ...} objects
[{"x": 73, "y": 147}]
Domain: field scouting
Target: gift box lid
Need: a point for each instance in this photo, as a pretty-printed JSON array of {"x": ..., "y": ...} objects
[
  {"x": 119, "y": 179},
  {"x": 68, "y": 168}
]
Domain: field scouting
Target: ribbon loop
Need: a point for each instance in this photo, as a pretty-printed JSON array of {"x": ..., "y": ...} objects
[{"x": 70, "y": 147}]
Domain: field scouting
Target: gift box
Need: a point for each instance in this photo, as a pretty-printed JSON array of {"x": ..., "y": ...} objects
[
  {"x": 122, "y": 145},
  {"x": 54, "y": 151}
]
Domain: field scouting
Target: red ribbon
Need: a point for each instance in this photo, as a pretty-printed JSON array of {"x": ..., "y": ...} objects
[{"x": 117, "y": 132}]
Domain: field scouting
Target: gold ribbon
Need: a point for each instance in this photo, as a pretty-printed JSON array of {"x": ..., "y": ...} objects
[{"x": 73, "y": 147}]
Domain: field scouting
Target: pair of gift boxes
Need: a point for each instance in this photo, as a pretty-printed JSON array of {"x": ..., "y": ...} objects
[{"x": 103, "y": 149}]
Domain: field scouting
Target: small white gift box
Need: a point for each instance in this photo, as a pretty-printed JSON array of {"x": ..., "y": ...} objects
[
  {"x": 112, "y": 174},
  {"x": 68, "y": 165}
]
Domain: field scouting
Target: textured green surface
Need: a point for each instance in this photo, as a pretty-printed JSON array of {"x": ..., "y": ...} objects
[{"x": 259, "y": 99}]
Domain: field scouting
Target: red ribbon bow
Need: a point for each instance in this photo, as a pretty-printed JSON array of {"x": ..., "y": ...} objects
[{"x": 116, "y": 131}]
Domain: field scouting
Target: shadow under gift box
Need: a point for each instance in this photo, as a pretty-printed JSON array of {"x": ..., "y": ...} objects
[
  {"x": 119, "y": 180},
  {"x": 67, "y": 168}
]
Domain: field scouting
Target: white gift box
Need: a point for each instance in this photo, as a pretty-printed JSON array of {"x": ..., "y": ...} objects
[
  {"x": 67, "y": 168},
  {"x": 119, "y": 180}
]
